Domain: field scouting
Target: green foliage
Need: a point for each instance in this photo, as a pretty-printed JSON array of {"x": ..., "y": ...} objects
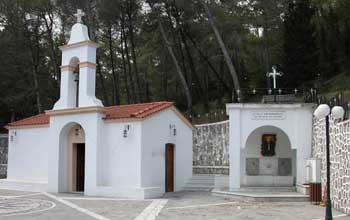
[
  {"x": 301, "y": 54},
  {"x": 134, "y": 65}
]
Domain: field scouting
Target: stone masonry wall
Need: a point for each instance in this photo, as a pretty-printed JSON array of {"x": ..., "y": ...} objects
[
  {"x": 340, "y": 160},
  {"x": 3, "y": 155},
  {"x": 210, "y": 148}
]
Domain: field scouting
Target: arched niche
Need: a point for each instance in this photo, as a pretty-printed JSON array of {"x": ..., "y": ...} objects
[
  {"x": 265, "y": 170},
  {"x": 75, "y": 71}
]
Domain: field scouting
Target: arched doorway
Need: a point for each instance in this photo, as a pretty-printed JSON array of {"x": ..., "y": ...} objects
[
  {"x": 267, "y": 159},
  {"x": 72, "y": 158}
]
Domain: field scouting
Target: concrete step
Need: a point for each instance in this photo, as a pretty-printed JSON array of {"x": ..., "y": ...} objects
[
  {"x": 198, "y": 188},
  {"x": 263, "y": 196},
  {"x": 203, "y": 177},
  {"x": 268, "y": 189},
  {"x": 200, "y": 183}
]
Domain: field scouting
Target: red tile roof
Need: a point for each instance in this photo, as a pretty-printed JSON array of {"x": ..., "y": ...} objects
[
  {"x": 40, "y": 119},
  {"x": 136, "y": 111}
]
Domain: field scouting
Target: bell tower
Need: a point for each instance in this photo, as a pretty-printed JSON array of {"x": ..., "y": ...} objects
[{"x": 78, "y": 69}]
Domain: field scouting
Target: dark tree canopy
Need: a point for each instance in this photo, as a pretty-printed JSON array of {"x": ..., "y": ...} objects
[{"x": 193, "y": 52}]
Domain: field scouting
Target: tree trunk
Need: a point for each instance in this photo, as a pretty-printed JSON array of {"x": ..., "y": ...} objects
[
  {"x": 115, "y": 76},
  {"x": 102, "y": 82},
  {"x": 35, "y": 53},
  {"x": 178, "y": 68},
  {"x": 210, "y": 65},
  {"x": 223, "y": 48},
  {"x": 126, "y": 53},
  {"x": 133, "y": 53},
  {"x": 164, "y": 75},
  {"x": 52, "y": 45},
  {"x": 125, "y": 71},
  {"x": 147, "y": 98}
]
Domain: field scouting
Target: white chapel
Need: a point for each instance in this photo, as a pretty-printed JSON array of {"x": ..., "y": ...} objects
[{"x": 137, "y": 151}]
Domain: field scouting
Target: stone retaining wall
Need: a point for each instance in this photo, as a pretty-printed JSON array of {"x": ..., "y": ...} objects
[
  {"x": 3, "y": 155},
  {"x": 340, "y": 160},
  {"x": 210, "y": 148}
]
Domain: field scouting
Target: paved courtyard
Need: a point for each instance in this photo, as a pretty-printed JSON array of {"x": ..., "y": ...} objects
[{"x": 15, "y": 205}]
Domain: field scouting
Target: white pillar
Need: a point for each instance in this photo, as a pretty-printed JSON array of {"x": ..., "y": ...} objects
[
  {"x": 55, "y": 157},
  {"x": 235, "y": 149},
  {"x": 67, "y": 91},
  {"x": 87, "y": 84},
  {"x": 303, "y": 141},
  {"x": 92, "y": 144}
]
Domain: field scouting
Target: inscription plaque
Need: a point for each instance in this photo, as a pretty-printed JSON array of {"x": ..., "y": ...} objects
[
  {"x": 252, "y": 166},
  {"x": 268, "y": 115},
  {"x": 284, "y": 167}
]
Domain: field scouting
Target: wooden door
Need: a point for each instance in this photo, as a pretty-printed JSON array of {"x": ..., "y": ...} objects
[
  {"x": 80, "y": 172},
  {"x": 169, "y": 168}
]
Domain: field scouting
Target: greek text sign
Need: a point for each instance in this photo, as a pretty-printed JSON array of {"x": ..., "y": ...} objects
[{"x": 268, "y": 115}]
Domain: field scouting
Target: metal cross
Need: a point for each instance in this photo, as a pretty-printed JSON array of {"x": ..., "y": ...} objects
[
  {"x": 274, "y": 75},
  {"x": 79, "y": 15}
]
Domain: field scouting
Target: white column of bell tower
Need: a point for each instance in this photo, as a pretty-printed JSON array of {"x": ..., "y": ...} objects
[
  {"x": 68, "y": 89},
  {"x": 87, "y": 85},
  {"x": 79, "y": 52}
]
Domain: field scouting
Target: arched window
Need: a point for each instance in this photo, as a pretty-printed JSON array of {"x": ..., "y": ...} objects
[{"x": 74, "y": 63}]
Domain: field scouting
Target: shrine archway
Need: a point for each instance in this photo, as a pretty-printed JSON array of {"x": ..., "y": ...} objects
[
  {"x": 72, "y": 158},
  {"x": 268, "y": 159}
]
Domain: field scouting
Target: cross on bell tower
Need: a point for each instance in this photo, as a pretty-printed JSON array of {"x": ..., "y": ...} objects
[{"x": 80, "y": 14}]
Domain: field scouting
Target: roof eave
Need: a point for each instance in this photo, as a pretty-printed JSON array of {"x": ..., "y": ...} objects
[{"x": 11, "y": 127}]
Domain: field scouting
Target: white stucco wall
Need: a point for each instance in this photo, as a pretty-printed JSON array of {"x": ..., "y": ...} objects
[
  {"x": 85, "y": 53},
  {"x": 27, "y": 156},
  {"x": 121, "y": 156},
  {"x": 155, "y": 135},
  {"x": 132, "y": 166}
]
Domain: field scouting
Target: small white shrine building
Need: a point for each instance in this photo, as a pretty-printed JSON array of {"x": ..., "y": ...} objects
[
  {"x": 269, "y": 145},
  {"x": 138, "y": 151}
]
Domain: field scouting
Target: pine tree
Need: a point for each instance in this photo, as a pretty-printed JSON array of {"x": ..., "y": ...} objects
[{"x": 301, "y": 54}]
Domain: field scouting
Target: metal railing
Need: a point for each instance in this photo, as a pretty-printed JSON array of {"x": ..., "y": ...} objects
[
  {"x": 280, "y": 95},
  {"x": 268, "y": 95}
]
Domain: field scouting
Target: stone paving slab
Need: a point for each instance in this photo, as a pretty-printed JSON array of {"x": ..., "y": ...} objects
[
  {"x": 264, "y": 196},
  {"x": 59, "y": 212},
  {"x": 4, "y": 192},
  {"x": 121, "y": 210},
  {"x": 174, "y": 206},
  {"x": 203, "y": 206}
]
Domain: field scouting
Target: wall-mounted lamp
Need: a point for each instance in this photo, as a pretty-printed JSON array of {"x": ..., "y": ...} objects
[
  {"x": 172, "y": 129},
  {"x": 13, "y": 135},
  {"x": 126, "y": 131},
  {"x": 77, "y": 131}
]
